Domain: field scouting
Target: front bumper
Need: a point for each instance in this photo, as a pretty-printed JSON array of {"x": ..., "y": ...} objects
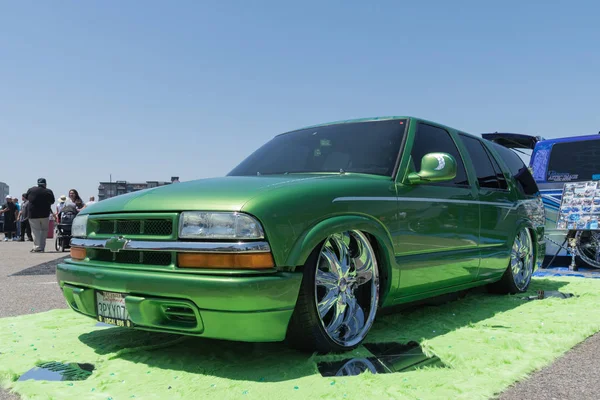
[{"x": 254, "y": 308}]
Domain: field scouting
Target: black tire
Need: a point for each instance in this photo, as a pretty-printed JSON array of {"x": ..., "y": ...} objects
[
  {"x": 508, "y": 283},
  {"x": 588, "y": 243},
  {"x": 306, "y": 331},
  {"x": 58, "y": 246}
]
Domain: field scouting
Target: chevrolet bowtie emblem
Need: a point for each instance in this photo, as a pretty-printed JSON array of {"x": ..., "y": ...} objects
[{"x": 116, "y": 244}]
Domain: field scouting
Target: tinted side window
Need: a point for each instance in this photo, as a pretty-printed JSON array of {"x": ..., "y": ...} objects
[
  {"x": 431, "y": 139},
  {"x": 499, "y": 173},
  {"x": 487, "y": 176},
  {"x": 517, "y": 168}
]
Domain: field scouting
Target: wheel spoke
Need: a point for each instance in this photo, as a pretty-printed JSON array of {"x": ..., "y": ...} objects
[
  {"x": 514, "y": 263},
  {"x": 327, "y": 302},
  {"x": 518, "y": 242},
  {"x": 364, "y": 269},
  {"x": 355, "y": 317},
  {"x": 523, "y": 238},
  {"x": 332, "y": 260},
  {"x": 338, "y": 318},
  {"x": 344, "y": 260},
  {"x": 519, "y": 275},
  {"x": 522, "y": 245},
  {"x": 326, "y": 279},
  {"x": 517, "y": 247}
]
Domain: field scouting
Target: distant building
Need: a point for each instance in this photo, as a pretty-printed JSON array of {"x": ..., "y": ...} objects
[
  {"x": 4, "y": 191},
  {"x": 107, "y": 190}
]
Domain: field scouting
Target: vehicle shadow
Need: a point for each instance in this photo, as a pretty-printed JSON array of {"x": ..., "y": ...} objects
[{"x": 276, "y": 362}]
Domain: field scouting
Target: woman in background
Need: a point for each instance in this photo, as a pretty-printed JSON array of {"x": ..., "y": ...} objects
[{"x": 76, "y": 199}]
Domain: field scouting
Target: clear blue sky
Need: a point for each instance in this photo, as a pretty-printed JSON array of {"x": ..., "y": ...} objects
[{"x": 146, "y": 90}]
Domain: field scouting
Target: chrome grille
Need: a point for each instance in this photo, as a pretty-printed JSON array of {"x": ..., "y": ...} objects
[
  {"x": 149, "y": 227},
  {"x": 162, "y": 258}
]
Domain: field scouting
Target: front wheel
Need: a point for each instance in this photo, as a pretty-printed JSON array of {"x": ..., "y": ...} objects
[
  {"x": 338, "y": 296},
  {"x": 517, "y": 277},
  {"x": 58, "y": 246}
]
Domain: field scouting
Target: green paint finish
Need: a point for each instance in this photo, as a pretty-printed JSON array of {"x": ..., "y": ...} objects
[
  {"x": 212, "y": 292},
  {"x": 430, "y": 238}
]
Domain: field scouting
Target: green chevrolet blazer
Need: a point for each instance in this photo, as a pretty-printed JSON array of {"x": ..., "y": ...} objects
[{"x": 312, "y": 234}]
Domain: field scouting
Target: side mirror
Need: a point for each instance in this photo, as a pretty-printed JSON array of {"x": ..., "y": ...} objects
[{"x": 435, "y": 167}]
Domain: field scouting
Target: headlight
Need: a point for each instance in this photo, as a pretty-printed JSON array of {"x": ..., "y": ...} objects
[
  {"x": 219, "y": 225},
  {"x": 79, "y": 227}
]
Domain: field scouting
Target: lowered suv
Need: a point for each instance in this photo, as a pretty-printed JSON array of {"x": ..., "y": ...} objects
[{"x": 312, "y": 234}]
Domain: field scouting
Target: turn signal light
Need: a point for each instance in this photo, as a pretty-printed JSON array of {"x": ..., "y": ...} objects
[
  {"x": 77, "y": 253},
  {"x": 225, "y": 261}
]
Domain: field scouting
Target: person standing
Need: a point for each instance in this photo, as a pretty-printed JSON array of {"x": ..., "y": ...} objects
[
  {"x": 92, "y": 201},
  {"x": 41, "y": 200},
  {"x": 18, "y": 206},
  {"x": 61, "y": 204},
  {"x": 24, "y": 219},
  {"x": 10, "y": 218}
]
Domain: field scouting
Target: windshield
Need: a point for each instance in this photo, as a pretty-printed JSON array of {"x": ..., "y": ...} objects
[
  {"x": 363, "y": 147},
  {"x": 574, "y": 161}
]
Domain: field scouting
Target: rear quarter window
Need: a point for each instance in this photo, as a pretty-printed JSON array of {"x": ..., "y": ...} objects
[
  {"x": 517, "y": 168},
  {"x": 574, "y": 161}
]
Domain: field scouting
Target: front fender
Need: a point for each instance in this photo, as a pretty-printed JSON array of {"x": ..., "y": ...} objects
[{"x": 316, "y": 234}]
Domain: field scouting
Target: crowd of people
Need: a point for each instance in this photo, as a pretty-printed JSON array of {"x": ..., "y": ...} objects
[{"x": 31, "y": 218}]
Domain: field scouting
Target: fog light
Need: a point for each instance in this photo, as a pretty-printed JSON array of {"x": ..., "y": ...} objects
[
  {"x": 77, "y": 253},
  {"x": 225, "y": 261}
]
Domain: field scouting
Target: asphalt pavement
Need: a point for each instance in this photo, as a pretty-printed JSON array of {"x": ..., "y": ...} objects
[
  {"x": 28, "y": 285},
  {"x": 573, "y": 376}
]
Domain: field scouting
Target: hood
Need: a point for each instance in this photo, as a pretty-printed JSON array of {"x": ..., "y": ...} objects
[{"x": 228, "y": 193}]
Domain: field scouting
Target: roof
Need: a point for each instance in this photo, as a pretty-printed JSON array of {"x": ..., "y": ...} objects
[
  {"x": 349, "y": 121},
  {"x": 371, "y": 119},
  {"x": 571, "y": 139}
]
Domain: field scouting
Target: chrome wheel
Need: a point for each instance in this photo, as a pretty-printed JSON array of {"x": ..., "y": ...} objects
[
  {"x": 347, "y": 287},
  {"x": 588, "y": 247},
  {"x": 521, "y": 259},
  {"x": 356, "y": 367}
]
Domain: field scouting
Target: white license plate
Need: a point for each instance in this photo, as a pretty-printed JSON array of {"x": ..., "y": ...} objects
[{"x": 111, "y": 309}]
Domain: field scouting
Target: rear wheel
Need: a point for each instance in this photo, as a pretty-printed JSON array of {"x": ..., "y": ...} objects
[
  {"x": 338, "y": 297},
  {"x": 517, "y": 277},
  {"x": 588, "y": 247}
]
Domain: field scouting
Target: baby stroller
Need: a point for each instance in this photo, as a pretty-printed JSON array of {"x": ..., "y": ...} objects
[{"x": 65, "y": 221}]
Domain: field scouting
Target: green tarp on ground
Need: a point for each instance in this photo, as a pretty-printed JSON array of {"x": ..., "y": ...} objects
[{"x": 486, "y": 342}]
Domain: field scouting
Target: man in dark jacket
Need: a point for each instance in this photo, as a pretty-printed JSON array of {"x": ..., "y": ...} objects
[{"x": 40, "y": 202}]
